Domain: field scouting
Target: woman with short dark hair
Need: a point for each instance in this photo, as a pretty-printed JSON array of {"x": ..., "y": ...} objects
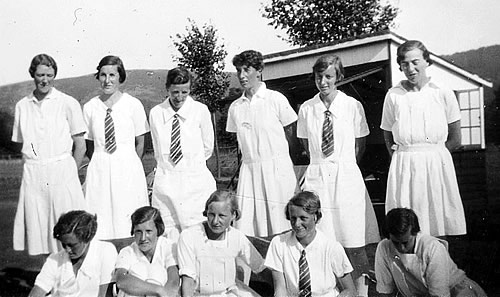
[
  {"x": 183, "y": 141},
  {"x": 421, "y": 123},
  {"x": 115, "y": 184},
  {"x": 149, "y": 265},
  {"x": 84, "y": 267},
  {"x": 50, "y": 126},
  {"x": 415, "y": 264}
]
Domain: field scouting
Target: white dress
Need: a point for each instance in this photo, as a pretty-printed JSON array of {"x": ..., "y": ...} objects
[
  {"x": 57, "y": 275},
  {"x": 326, "y": 259},
  {"x": 180, "y": 191},
  {"x": 50, "y": 185},
  {"x": 116, "y": 184},
  {"x": 135, "y": 262},
  {"x": 212, "y": 263},
  {"x": 348, "y": 214},
  {"x": 422, "y": 175},
  {"x": 266, "y": 179}
]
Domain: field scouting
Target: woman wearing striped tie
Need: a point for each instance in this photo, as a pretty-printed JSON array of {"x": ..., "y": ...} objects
[
  {"x": 306, "y": 262},
  {"x": 116, "y": 185},
  {"x": 183, "y": 139},
  {"x": 332, "y": 127}
]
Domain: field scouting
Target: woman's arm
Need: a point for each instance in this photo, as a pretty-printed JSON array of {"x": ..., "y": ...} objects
[
  {"x": 305, "y": 144},
  {"x": 188, "y": 286},
  {"x": 79, "y": 149},
  {"x": 279, "y": 284},
  {"x": 135, "y": 286},
  {"x": 360, "y": 147},
  {"x": 347, "y": 285},
  {"x": 172, "y": 284},
  {"x": 139, "y": 145},
  {"x": 454, "y": 140},
  {"x": 37, "y": 292},
  {"x": 389, "y": 141}
]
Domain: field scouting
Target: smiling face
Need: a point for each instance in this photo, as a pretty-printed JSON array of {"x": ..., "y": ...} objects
[
  {"x": 414, "y": 67},
  {"x": 325, "y": 81},
  {"x": 405, "y": 244},
  {"x": 109, "y": 79},
  {"x": 44, "y": 79},
  {"x": 177, "y": 95},
  {"x": 219, "y": 216},
  {"x": 248, "y": 76},
  {"x": 146, "y": 236},
  {"x": 73, "y": 246},
  {"x": 303, "y": 224}
]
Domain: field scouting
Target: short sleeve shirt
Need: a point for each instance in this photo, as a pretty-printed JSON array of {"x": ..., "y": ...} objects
[
  {"x": 326, "y": 258},
  {"x": 45, "y": 127}
]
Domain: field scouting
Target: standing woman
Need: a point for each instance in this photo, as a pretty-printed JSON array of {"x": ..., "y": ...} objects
[
  {"x": 332, "y": 126},
  {"x": 50, "y": 126},
  {"x": 266, "y": 179},
  {"x": 116, "y": 183},
  {"x": 421, "y": 123},
  {"x": 183, "y": 139}
]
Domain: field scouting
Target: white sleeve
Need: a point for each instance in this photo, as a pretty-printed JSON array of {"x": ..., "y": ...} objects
[
  {"x": 207, "y": 132},
  {"x": 47, "y": 277},
  {"x": 274, "y": 256},
  {"x": 108, "y": 261},
  {"x": 186, "y": 255}
]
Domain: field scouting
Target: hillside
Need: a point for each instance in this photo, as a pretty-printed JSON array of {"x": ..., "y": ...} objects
[{"x": 485, "y": 62}]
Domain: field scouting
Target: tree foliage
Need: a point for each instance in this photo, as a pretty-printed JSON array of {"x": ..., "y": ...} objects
[
  {"x": 309, "y": 22},
  {"x": 200, "y": 53}
]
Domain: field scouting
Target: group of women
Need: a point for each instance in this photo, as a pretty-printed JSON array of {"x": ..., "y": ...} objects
[{"x": 421, "y": 123}]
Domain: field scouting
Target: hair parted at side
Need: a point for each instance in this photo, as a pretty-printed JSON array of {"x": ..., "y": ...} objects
[
  {"x": 309, "y": 201},
  {"x": 178, "y": 76},
  {"x": 42, "y": 59},
  {"x": 144, "y": 214},
  {"x": 112, "y": 60},
  {"x": 249, "y": 58},
  {"x": 411, "y": 45},
  {"x": 325, "y": 61},
  {"x": 399, "y": 220},
  {"x": 224, "y": 196},
  {"x": 78, "y": 222}
]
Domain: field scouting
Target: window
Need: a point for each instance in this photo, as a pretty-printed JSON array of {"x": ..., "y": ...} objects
[{"x": 471, "y": 122}]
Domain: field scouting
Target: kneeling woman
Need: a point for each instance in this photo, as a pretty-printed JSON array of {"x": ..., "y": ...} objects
[
  {"x": 304, "y": 261},
  {"x": 84, "y": 267},
  {"x": 148, "y": 266},
  {"x": 208, "y": 251},
  {"x": 416, "y": 264}
]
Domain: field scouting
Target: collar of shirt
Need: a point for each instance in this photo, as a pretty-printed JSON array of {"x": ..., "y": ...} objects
[
  {"x": 183, "y": 112},
  {"x": 320, "y": 108},
  {"x": 51, "y": 95},
  {"x": 89, "y": 263},
  {"x": 260, "y": 93},
  {"x": 297, "y": 247}
]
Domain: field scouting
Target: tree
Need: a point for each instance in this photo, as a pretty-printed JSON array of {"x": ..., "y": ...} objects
[
  {"x": 202, "y": 55},
  {"x": 309, "y": 22}
]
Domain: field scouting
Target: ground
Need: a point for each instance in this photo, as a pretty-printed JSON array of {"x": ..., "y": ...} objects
[{"x": 479, "y": 257}]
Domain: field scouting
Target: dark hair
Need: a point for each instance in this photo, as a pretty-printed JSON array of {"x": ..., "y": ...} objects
[
  {"x": 308, "y": 200},
  {"x": 323, "y": 62},
  {"x": 42, "y": 59},
  {"x": 112, "y": 60},
  {"x": 178, "y": 76},
  {"x": 224, "y": 196},
  {"x": 78, "y": 222},
  {"x": 144, "y": 214},
  {"x": 399, "y": 220},
  {"x": 411, "y": 45},
  {"x": 249, "y": 58}
]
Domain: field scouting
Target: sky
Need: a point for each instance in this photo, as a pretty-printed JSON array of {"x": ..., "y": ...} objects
[{"x": 78, "y": 33}]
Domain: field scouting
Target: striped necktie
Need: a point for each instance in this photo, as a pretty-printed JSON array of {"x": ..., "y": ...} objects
[
  {"x": 304, "y": 277},
  {"x": 327, "y": 136},
  {"x": 175, "y": 141},
  {"x": 109, "y": 133}
]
